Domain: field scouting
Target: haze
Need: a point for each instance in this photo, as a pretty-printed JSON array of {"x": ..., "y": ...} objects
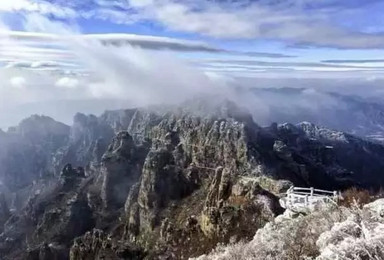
[{"x": 62, "y": 57}]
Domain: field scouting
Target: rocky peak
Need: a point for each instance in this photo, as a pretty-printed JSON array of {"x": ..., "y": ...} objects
[
  {"x": 122, "y": 144},
  {"x": 89, "y": 138},
  {"x": 120, "y": 168},
  {"x": 216, "y": 108},
  {"x": 86, "y": 129},
  {"x": 38, "y": 127},
  {"x": 322, "y": 133}
]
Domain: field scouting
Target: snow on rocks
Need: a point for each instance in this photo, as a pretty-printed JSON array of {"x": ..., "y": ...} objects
[{"x": 328, "y": 234}]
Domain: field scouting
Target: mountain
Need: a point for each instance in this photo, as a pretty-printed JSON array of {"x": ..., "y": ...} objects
[
  {"x": 351, "y": 114},
  {"x": 163, "y": 182},
  {"x": 26, "y": 156}
]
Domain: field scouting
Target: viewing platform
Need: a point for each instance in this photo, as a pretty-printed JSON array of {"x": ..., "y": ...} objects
[{"x": 302, "y": 200}]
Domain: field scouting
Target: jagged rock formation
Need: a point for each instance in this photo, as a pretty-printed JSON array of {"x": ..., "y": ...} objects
[
  {"x": 170, "y": 183},
  {"x": 120, "y": 168},
  {"x": 49, "y": 221},
  {"x": 96, "y": 245},
  {"x": 88, "y": 139}
]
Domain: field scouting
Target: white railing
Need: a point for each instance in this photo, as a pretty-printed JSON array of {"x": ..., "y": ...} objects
[{"x": 305, "y": 199}]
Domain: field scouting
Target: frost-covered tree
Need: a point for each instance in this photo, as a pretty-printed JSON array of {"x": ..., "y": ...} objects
[
  {"x": 359, "y": 237},
  {"x": 330, "y": 233}
]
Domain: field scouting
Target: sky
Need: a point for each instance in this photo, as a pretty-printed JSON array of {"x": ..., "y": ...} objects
[{"x": 154, "y": 51}]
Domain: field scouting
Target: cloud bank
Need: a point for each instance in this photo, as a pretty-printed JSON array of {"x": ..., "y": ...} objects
[
  {"x": 52, "y": 68},
  {"x": 129, "y": 75},
  {"x": 294, "y": 22},
  {"x": 300, "y": 23}
]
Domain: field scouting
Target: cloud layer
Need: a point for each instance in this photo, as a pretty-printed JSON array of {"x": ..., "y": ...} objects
[
  {"x": 87, "y": 68},
  {"x": 295, "y": 22},
  {"x": 50, "y": 61}
]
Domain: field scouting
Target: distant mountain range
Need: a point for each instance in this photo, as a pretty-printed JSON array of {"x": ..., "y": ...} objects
[
  {"x": 350, "y": 114},
  {"x": 359, "y": 116}
]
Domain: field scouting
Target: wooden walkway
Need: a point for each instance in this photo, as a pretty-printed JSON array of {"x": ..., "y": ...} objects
[{"x": 299, "y": 199}]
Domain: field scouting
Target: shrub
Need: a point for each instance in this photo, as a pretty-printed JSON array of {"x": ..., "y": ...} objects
[
  {"x": 238, "y": 201},
  {"x": 355, "y": 196}
]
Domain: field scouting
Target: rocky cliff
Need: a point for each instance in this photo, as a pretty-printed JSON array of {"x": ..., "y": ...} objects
[{"x": 171, "y": 183}]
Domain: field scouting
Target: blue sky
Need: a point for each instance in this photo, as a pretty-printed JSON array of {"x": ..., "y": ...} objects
[
  {"x": 60, "y": 49},
  {"x": 310, "y": 29}
]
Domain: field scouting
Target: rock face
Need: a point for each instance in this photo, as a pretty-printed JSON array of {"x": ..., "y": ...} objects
[
  {"x": 49, "y": 221},
  {"x": 120, "y": 168},
  {"x": 89, "y": 137},
  {"x": 96, "y": 245},
  {"x": 171, "y": 183}
]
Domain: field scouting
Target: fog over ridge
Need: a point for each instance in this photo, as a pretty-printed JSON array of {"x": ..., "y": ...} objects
[{"x": 91, "y": 76}]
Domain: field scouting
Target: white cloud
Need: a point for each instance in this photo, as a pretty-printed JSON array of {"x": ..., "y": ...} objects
[
  {"x": 141, "y": 3},
  {"x": 66, "y": 82},
  {"x": 42, "y": 7},
  {"x": 17, "y": 5},
  {"x": 134, "y": 71},
  {"x": 125, "y": 73},
  {"x": 17, "y": 82},
  {"x": 16, "y": 51},
  {"x": 144, "y": 41},
  {"x": 38, "y": 65},
  {"x": 291, "y": 22},
  {"x": 145, "y": 76}
]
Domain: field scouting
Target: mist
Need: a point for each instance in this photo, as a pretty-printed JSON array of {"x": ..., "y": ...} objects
[
  {"x": 110, "y": 78},
  {"x": 99, "y": 77},
  {"x": 117, "y": 78}
]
